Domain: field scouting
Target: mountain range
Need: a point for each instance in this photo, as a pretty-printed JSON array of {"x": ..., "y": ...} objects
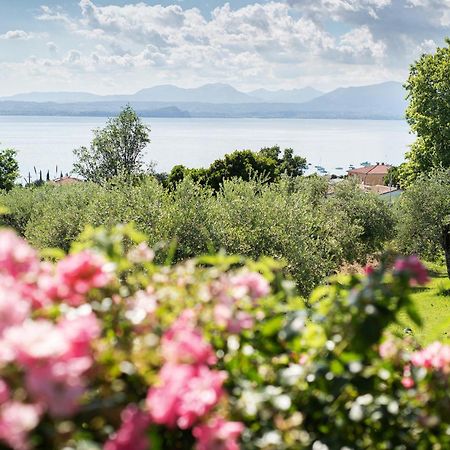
[{"x": 380, "y": 101}]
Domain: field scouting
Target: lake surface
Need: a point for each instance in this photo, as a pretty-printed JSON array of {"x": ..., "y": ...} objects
[{"x": 47, "y": 142}]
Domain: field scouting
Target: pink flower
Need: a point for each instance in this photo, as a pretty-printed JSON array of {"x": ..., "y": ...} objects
[
  {"x": 132, "y": 433},
  {"x": 200, "y": 395},
  {"x": 16, "y": 421},
  {"x": 407, "y": 380},
  {"x": 413, "y": 268},
  {"x": 369, "y": 270},
  {"x": 55, "y": 358},
  {"x": 233, "y": 321},
  {"x": 388, "y": 349},
  {"x": 436, "y": 356},
  {"x": 14, "y": 309},
  {"x": 79, "y": 332},
  {"x": 17, "y": 258},
  {"x": 141, "y": 254},
  {"x": 141, "y": 306},
  {"x": 182, "y": 343},
  {"x": 255, "y": 285},
  {"x": 34, "y": 341},
  {"x": 185, "y": 395},
  {"x": 218, "y": 434},
  {"x": 77, "y": 274},
  {"x": 56, "y": 387}
]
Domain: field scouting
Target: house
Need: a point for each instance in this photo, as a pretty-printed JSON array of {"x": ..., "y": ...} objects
[
  {"x": 371, "y": 175},
  {"x": 66, "y": 180}
]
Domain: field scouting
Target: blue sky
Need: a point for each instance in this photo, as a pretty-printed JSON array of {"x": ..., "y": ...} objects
[{"x": 120, "y": 46}]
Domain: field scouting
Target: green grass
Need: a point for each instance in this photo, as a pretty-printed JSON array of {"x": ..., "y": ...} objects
[{"x": 433, "y": 306}]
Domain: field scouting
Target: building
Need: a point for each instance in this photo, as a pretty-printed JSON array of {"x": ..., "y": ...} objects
[
  {"x": 66, "y": 180},
  {"x": 371, "y": 175}
]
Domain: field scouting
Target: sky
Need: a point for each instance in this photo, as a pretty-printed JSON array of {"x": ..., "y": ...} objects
[{"x": 121, "y": 46}]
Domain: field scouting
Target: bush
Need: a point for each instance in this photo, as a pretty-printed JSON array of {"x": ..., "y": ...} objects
[
  {"x": 291, "y": 220},
  {"x": 368, "y": 212},
  {"x": 105, "y": 349}
]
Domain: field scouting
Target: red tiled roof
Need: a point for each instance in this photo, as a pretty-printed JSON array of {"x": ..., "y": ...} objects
[{"x": 379, "y": 169}]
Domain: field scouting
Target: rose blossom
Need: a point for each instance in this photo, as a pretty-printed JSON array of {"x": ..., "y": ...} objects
[
  {"x": 182, "y": 343},
  {"x": 16, "y": 421},
  {"x": 77, "y": 274},
  {"x": 436, "y": 356},
  {"x": 186, "y": 393},
  {"x": 14, "y": 309},
  {"x": 132, "y": 433},
  {"x": 414, "y": 268},
  {"x": 407, "y": 380},
  {"x": 218, "y": 434},
  {"x": 255, "y": 285},
  {"x": 17, "y": 258}
]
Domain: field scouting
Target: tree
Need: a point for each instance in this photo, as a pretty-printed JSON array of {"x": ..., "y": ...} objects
[
  {"x": 293, "y": 166},
  {"x": 428, "y": 114},
  {"x": 9, "y": 169},
  {"x": 243, "y": 164},
  {"x": 116, "y": 150},
  {"x": 424, "y": 217}
]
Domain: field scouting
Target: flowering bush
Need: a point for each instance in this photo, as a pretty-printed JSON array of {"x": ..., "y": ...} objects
[{"x": 103, "y": 349}]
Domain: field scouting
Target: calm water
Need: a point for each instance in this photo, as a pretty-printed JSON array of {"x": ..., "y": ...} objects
[{"x": 47, "y": 142}]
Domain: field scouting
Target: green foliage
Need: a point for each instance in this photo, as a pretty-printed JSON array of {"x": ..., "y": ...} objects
[
  {"x": 291, "y": 220},
  {"x": 116, "y": 150},
  {"x": 428, "y": 114},
  {"x": 423, "y": 211},
  {"x": 299, "y": 377},
  {"x": 9, "y": 169},
  {"x": 245, "y": 165},
  {"x": 370, "y": 213}
]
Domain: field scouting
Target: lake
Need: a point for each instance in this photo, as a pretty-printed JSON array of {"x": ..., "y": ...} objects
[{"x": 47, "y": 142}]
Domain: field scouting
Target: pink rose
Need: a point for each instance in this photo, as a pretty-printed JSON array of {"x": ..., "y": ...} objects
[
  {"x": 16, "y": 421},
  {"x": 186, "y": 393},
  {"x": 218, "y": 434},
  {"x": 436, "y": 356},
  {"x": 413, "y": 268},
  {"x": 132, "y": 434},
  {"x": 182, "y": 343},
  {"x": 255, "y": 285},
  {"x": 17, "y": 258},
  {"x": 77, "y": 274}
]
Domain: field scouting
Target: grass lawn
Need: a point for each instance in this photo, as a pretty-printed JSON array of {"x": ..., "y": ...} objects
[{"x": 433, "y": 305}]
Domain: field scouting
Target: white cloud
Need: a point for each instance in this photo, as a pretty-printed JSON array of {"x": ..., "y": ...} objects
[
  {"x": 16, "y": 35},
  {"x": 52, "y": 47},
  {"x": 280, "y": 43}
]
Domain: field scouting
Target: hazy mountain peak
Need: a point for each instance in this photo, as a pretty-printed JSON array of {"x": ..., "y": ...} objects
[{"x": 301, "y": 95}]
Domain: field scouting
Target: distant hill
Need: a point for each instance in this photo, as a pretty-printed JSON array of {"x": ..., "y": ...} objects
[
  {"x": 384, "y": 100},
  {"x": 380, "y": 101},
  {"x": 57, "y": 97},
  {"x": 286, "y": 96},
  {"x": 209, "y": 93}
]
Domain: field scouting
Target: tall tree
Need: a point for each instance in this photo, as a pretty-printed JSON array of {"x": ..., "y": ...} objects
[
  {"x": 9, "y": 168},
  {"x": 428, "y": 114},
  {"x": 116, "y": 150}
]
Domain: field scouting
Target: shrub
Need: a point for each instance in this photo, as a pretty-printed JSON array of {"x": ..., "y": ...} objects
[
  {"x": 367, "y": 211},
  {"x": 292, "y": 219},
  {"x": 105, "y": 349}
]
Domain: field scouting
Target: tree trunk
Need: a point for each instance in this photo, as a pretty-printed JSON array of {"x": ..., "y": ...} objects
[{"x": 446, "y": 245}]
